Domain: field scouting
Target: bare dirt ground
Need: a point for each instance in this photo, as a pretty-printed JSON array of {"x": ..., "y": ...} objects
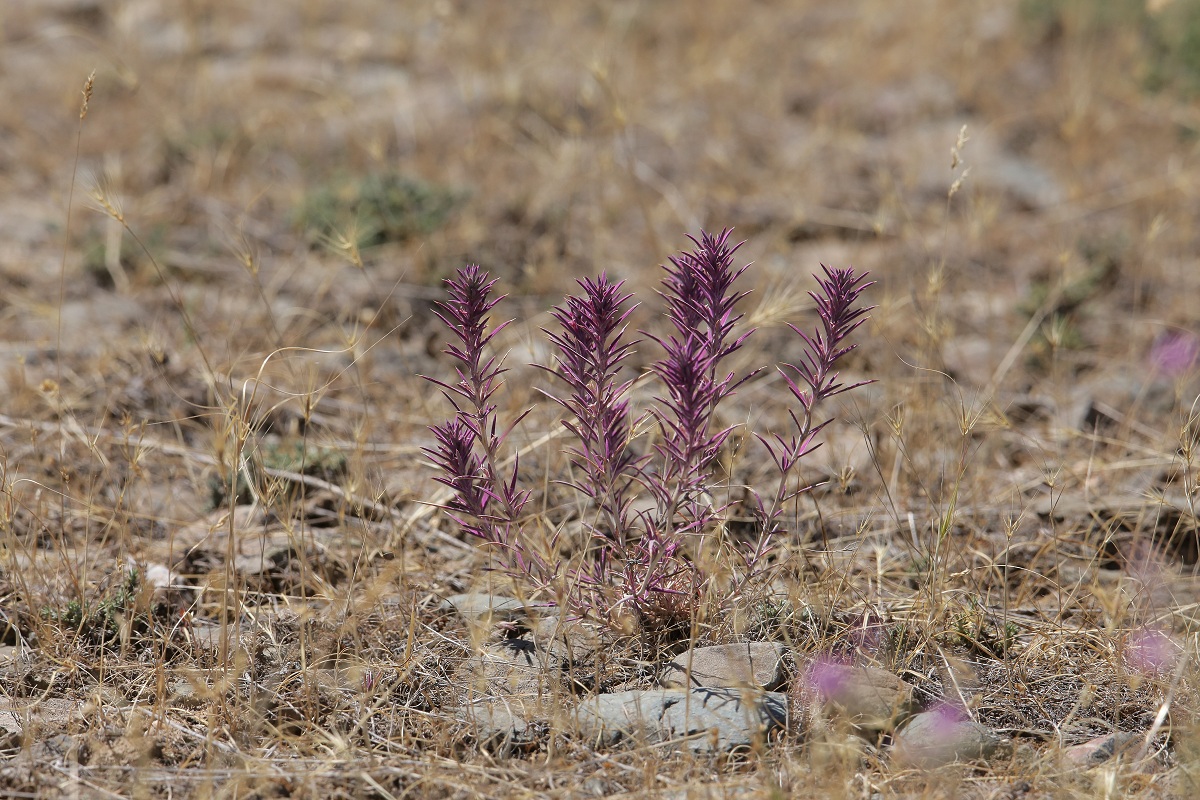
[{"x": 220, "y": 570}]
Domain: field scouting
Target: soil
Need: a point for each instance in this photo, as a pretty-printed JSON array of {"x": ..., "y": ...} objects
[{"x": 223, "y": 227}]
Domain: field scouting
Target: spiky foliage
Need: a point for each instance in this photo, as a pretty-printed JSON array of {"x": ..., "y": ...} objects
[
  {"x": 640, "y": 565},
  {"x": 701, "y": 306},
  {"x": 815, "y": 381},
  {"x": 485, "y": 503},
  {"x": 591, "y": 349}
]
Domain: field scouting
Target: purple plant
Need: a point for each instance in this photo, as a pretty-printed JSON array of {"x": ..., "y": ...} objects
[
  {"x": 484, "y": 503},
  {"x": 640, "y": 568},
  {"x": 698, "y": 290},
  {"x": 591, "y": 350},
  {"x": 701, "y": 305},
  {"x": 836, "y": 306},
  {"x": 635, "y": 570},
  {"x": 1151, "y": 651},
  {"x": 648, "y": 582},
  {"x": 1175, "y": 353},
  {"x": 638, "y": 564},
  {"x": 815, "y": 381}
]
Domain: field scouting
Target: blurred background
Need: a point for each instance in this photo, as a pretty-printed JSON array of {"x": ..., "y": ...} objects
[{"x": 1018, "y": 176}]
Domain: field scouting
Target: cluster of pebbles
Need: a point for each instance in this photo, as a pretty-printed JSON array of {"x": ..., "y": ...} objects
[{"x": 540, "y": 678}]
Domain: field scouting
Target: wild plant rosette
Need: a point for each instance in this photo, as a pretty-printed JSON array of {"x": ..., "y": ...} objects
[{"x": 648, "y": 511}]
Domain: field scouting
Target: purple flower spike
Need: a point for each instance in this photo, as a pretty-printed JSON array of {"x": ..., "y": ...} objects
[
  {"x": 591, "y": 349},
  {"x": 468, "y": 446},
  {"x": 699, "y": 293},
  {"x": 839, "y": 318},
  {"x": 702, "y": 306},
  {"x": 466, "y": 315},
  {"x": 815, "y": 379},
  {"x": 814, "y": 382}
]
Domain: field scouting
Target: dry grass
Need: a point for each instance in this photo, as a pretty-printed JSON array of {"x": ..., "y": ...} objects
[{"x": 1010, "y": 511}]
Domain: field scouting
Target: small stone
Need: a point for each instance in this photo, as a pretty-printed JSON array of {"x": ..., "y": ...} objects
[
  {"x": 571, "y": 641},
  {"x": 1100, "y": 749},
  {"x": 159, "y": 576},
  {"x": 10, "y": 722},
  {"x": 510, "y": 670},
  {"x": 166, "y": 586},
  {"x": 207, "y": 636},
  {"x": 184, "y": 693},
  {"x": 971, "y": 360},
  {"x": 59, "y": 749},
  {"x": 484, "y": 608},
  {"x": 513, "y": 687},
  {"x": 505, "y": 725},
  {"x": 942, "y": 736},
  {"x": 756, "y": 665},
  {"x": 12, "y": 655},
  {"x": 264, "y": 562},
  {"x": 869, "y": 699},
  {"x": 596, "y": 787},
  {"x": 845, "y": 452},
  {"x": 702, "y": 720},
  {"x": 996, "y": 170}
]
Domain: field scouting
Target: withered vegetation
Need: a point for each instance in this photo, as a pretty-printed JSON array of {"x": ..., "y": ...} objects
[{"x": 222, "y": 564}]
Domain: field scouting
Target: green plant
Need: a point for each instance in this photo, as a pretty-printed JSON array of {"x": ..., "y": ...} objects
[
  {"x": 377, "y": 208},
  {"x": 276, "y": 464},
  {"x": 100, "y": 620}
]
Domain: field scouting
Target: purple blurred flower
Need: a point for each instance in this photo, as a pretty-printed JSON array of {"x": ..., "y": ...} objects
[
  {"x": 1151, "y": 652},
  {"x": 827, "y": 677},
  {"x": 947, "y": 717},
  {"x": 1175, "y": 353}
]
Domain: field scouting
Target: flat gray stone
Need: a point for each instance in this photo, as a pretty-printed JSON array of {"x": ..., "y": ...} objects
[
  {"x": 208, "y": 636},
  {"x": 1100, "y": 749},
  {"x": 995, "y": 169},
  {"x": 11, "y": 723},
  {"x": 506, "y": 725},
  {"x": 757, "y": 665},
  {"x": 512, "y": 668},
  {"x": 942, "y": 736},
  {"x": 702, "y": 720},
  {"x": 511, "y": 690},
  {"x": 571, "y": 641},
  {"x": 483, "y": 608}
]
